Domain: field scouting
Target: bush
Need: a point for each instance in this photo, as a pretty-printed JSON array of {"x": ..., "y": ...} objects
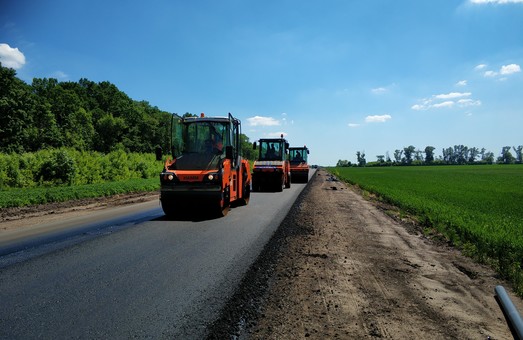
[
  {"x": 72, "y": 167},
  {"x": 59, "y": 168}
]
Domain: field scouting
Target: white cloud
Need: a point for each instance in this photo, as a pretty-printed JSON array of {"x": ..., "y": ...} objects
[
  {"x": 504, "y": 70},
  {"x": 461, "y": 83},
  {"x": 379, "y": 90},
  {"x": 377, "y": 118},
  {"x": 383, "y": 89},
  {"x": 11, "y": 57},
  {"x": 496, "y": 1},
  {"x": 448, "y": 100},
  {"x": 262, "y": 121},
  {"x": 60, "y": 75},
  {"x": 480, "y": 67},
  {"x": 468, "y": 102},
  {"x": 353, "y": 125},
  {"x": 448, "y": 103},
  {"x": 453, "y": 95},
  {"x": 509, "y": 69}
]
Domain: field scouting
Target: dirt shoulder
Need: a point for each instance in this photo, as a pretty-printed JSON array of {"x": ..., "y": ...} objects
[
  {"x": 340, "y": 267},
  {"x": 12, "y": 218}
]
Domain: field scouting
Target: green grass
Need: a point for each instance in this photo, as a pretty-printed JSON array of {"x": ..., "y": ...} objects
[
  {"x": 40, "y": 195},
  {"x": 478, "y": 208}
]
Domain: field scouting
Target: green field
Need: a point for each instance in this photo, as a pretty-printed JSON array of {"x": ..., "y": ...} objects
[
  {"x": 477, "y": 208},
  {"x": 31, "y": 196}
]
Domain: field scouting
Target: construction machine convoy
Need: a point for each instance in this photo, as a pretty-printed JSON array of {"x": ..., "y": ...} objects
[
  {"x": 299, "y": 165},
  {"x": 272, "y": 170},
  {"x": 205, "y": 169}
]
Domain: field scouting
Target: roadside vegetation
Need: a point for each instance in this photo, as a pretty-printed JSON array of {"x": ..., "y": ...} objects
[
  {"x": 63, "y": 174},
  {"x": 33, "y": 196},
  {"x": 476, "y": 208},
  {"x": 69, "y": 140}
]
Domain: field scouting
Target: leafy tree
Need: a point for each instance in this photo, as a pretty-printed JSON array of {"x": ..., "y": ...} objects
[
  {"x": 79, "y": 131},
  {"x": 461, "y": 154},
  {"x": 361, "y": 158},
  {"x": 488, "y": 157},
  {"x": 397, "y": 155},
  {"x": 246, "y": 146},
  {"x": 45, "y": 132},
  {"x": 429, "y": 154},
  {"x": 44, "y": 87},
  {"x": 473, "y": 154},
  {"x": 381, "y": 159},
  {"x": 111, "y": 100},
  {"x": 448, "y": 155},
  {"x": 519, "y": 153},
  {"x": 15, "y": 115},
  {"x": 343, "y": 163},
  {"x": 506, "y": 157},
  {"x": 408, "y": 152},
  {"x": 417, "y": 156},
  {"x": 110, "y": 131}
]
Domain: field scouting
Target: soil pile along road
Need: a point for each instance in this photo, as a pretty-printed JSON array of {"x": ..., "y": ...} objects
[{"x": 347, "y": 270}]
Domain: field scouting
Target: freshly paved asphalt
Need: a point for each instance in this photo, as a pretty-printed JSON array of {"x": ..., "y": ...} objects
[{"x": 130, "y": 272}]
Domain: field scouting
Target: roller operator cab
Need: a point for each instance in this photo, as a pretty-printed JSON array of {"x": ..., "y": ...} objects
[
  {"x": 299, "y": 165},
  {"x": 205, "y": 170},
  {"x": 272, "y": 169}
]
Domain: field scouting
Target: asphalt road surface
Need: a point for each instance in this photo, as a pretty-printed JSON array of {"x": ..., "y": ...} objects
[{"x": 129, "y": 272}]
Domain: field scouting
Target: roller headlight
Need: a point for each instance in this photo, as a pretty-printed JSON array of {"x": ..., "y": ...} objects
[
  {"x": 168, "y": 178},
  {"x": 212, "y": 178}
]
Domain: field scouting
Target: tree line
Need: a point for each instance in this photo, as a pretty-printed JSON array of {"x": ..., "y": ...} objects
[
  {"x": 83, "y": 115},
  {"x": 457, "y": 155}
]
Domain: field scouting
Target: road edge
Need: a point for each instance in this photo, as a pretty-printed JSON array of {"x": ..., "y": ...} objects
[{"x": 243, "y": 308}]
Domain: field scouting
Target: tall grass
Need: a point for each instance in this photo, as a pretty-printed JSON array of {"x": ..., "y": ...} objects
[{"x": 478, "y": 208}]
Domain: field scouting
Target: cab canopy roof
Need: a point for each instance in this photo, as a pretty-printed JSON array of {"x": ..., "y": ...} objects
[
  {"x": 203, "y": 118},
  {"x": 273, "y": 139}
]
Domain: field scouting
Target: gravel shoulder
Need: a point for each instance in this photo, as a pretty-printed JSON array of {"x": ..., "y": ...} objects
[{"x": 342, "y": 267}]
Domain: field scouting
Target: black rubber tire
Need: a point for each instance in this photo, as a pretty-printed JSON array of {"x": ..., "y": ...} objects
[
  {"x": 169, "y": 208},
  {"x": 246, "y": 195}
]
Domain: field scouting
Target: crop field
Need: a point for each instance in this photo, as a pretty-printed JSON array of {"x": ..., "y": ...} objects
[{"x": 477, "y": 208}]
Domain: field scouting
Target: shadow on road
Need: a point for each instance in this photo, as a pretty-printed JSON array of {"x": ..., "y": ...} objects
[{"x": 193, "y": 214}]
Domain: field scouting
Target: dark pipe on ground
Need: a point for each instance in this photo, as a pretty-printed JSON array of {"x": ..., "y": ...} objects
[{"x": 510, "y": 311}]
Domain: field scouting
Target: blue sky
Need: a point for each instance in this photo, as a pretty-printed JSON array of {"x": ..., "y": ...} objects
[{"x": 339, "y": 76}]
